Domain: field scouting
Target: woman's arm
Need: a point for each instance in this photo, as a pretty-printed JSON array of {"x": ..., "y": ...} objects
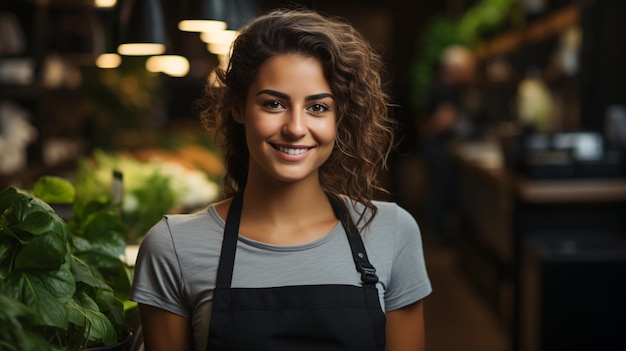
[
  {"x": 163, "y": 330},
  {"x": 405, "y": 328}
]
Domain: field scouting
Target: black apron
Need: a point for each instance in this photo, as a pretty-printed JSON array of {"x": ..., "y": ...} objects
[{"x": 296, "y": 318}]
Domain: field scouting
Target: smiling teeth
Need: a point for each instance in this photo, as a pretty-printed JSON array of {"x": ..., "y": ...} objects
[{"x": 292, "y": 151}]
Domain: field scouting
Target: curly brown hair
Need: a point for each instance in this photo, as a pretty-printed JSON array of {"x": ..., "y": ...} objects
[{"x": 365, "y": 131}]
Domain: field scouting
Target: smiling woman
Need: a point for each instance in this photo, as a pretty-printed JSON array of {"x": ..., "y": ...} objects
[
  {"x": 289, "y": 135},
  {"x": 299, "y": 255}
]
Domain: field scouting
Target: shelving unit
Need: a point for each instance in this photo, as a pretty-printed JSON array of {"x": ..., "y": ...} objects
[
  {"x": 534, "y": 48},
  {"x": 537, "y": 31},
  {"x": 515, "y": 229},
  {"x": 53, "y": 104}
]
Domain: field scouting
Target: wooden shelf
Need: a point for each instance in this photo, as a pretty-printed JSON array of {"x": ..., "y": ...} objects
[
  {"x": 572, "y": 191},
  {"x": 537, "y": 31}
]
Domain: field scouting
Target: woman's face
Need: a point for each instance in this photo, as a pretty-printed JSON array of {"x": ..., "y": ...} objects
[{"x": 290, "y": 119}]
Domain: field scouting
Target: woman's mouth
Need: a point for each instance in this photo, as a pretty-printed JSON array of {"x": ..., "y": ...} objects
[{"x": 291, "y": 151}]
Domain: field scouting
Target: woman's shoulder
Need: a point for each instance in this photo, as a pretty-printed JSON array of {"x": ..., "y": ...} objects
[
  {"x": 177, "y": 226},
  {"x": 202, "y": 215},
  {"x": 386, "y": 211}
]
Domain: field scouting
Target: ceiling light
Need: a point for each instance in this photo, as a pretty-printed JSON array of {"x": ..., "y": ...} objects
[
  {"x": 143, "y": 32},
  {"x": 221, "y": 43},
  {"x": 108, "y": 60},
  {"x": 216, "y": 37},
  {"x": 105, "y": 3},
  {"x": 140, "y": 49},
  {"x": 203, "y": 16},
  {"x": 201, "y": 25},
  {"x": 173, "y": 65}
]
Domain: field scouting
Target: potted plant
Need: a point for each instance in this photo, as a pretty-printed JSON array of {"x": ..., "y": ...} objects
[{"x": 57, "y": 275}]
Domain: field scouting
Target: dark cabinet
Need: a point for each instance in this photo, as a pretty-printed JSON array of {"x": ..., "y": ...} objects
[
  {"x": 549, "y": 256},
  {"x": 573, "y": 292}
]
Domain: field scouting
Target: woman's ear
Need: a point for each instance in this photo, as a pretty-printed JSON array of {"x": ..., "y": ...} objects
[{"x": 238, "y": 114}]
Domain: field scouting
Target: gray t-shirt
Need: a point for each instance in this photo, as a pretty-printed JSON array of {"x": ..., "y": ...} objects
[{"x": 177, "y": 263}]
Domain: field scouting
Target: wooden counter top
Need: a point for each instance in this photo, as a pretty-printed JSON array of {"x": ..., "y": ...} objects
[
  {"x": 571, "y": 190},
  {"x": 555, "y": 191}
]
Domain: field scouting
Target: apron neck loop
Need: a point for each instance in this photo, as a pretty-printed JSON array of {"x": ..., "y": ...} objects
[
  {"x": 231, "y": 233},
  {"x": 363, "y": 265}
]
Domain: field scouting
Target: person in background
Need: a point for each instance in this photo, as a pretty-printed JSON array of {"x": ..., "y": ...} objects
[
  {"x": 299, "y": 255},
  {"x": 443, "y": 122}
]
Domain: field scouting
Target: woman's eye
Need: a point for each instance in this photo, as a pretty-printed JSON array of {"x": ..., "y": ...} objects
[
  {"x": 319, "y": 108},
  {"x": 273, "y": 104}
]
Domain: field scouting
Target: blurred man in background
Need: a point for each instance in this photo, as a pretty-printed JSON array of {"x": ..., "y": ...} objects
[{"x": 443, "y": 122}]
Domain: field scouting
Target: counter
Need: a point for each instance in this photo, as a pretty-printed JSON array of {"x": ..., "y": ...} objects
[{"x": 506, "y": 216}]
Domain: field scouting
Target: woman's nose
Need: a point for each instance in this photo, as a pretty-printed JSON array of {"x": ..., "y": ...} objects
[{"x": 295, "y": 123}]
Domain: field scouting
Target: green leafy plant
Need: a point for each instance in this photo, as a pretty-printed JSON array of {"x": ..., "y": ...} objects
[
  {"x": 151, "y": 187},
  {"x": 482, "y": 18},
  {"x": 486, "y": 16},
  {"x": 120, "y": 103},
  {"x": 440, "y": 33},
  {"x": 56, "y": 275},
  {"x": 13, "y": 336},
  {"x": 148, "y": 192}
]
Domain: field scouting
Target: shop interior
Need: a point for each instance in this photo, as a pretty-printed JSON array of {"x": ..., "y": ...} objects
[{"x": 522, "y": 206}]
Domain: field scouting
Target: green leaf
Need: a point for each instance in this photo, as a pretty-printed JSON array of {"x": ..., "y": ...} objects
[
  {"x": 54, "y": 190},
  {"x": 45, "y": 293},
  {"x": 81, "y": 244},
  {"x": 7, "y": 196},
  {"x": 25, "y": 204},
  {"x": 10, "y": 310},
  {"x": 103, "y": 263},
  {"x": 97, "y": 326},
  {"x": 113, "y": 307},
  {"x": 42, "y": 222},
  {"x": 8, "y": 234},
  {"x": 83, "y": 273},
  {"x": 106, "y": 232},
  {"x": 75, "y": 313},
  {"x": 5, "y": 250},
  {"x": 14, "y": 335},
  {"x": 44, "y": 252},
  {"x": 33, "y": 341},
  {"x": 95, "y": 207},
  {"x": 120, "y": 279}
]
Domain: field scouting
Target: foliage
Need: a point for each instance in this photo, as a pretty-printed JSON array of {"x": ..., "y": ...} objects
[
  {"x": 441, "y": 32},
  {"x": 147, "y": 193},
  {"x": 13, "y": 335},
  {"x": 483, "y": 17},
  {"x": 119, "y": 101},
  {"x": 151, "y": 188},
  {"x": 438, "y": 34},
  {"x": 53, "y": 293}
]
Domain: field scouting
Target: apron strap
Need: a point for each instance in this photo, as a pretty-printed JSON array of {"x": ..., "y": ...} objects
[
  {"x": 363, "y": 265},
  {"x": 229, "y": 244}
]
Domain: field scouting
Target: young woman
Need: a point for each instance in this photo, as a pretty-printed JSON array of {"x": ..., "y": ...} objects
[{"x": 298, "y": 256}]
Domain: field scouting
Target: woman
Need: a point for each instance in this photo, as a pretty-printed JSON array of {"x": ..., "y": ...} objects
[{"x": 298, "y": 256}]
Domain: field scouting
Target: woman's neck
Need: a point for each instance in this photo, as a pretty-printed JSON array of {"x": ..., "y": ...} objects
[{"x": 287, "y": 213}]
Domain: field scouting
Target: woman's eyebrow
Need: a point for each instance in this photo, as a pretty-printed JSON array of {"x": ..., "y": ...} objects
[
  {"x": 287, "y": 97},
  {"x": 319, "y": 96},
  {"x": 274, "y": 93}
]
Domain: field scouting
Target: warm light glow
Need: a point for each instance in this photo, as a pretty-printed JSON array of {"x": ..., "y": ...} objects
[
  {"x": 219, "y": 49},
  {"x": 220, "y": 43},
  {"x": 173, "y": 65},
  {"x": 201, "y": 25},
  {"x": 105, "y": 3},
  {"x": 141, "y": 49},
  {"x": 218, "y": 37},
  {"x": 108, "y": 60}
]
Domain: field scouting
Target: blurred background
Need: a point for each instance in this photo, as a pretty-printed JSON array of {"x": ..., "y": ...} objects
[{"x": 511, "y": 154}]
